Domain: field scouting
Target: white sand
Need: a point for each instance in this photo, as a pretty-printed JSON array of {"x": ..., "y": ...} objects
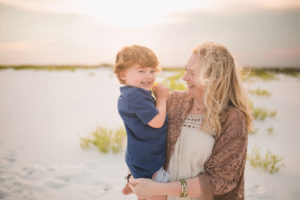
[{"x": 42, "y": 115}]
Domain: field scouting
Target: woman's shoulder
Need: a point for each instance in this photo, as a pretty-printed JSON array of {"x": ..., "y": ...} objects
[
  {"x": 177, "y": 96},
  {"x": 177, "y": 101},
  {"x": 178, "y": 93},
  {"x": 232, "y": 113},
  {"x": 235, "y": 120}
]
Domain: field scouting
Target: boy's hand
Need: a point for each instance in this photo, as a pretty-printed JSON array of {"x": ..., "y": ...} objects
[{"x": 160, "y": 91}]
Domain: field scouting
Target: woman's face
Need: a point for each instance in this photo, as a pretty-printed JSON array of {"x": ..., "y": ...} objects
[{"x": 191, "y": 70}]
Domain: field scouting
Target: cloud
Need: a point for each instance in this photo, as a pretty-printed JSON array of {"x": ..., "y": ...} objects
[
  {"x": 251, "y": 36},
  {"x": 255, "y": 38},
  {"x": 242, "y": 6},
  {"x": 291, "y": 52},
  {"x": 17, "y": 46},
  {"x": 114, "y": 7}
]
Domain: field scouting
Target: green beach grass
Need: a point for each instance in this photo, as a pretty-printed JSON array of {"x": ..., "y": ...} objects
[
  {"x": 260, "y": 92},
  {"x": 106, "y": 140},
  {"x": 53, "y": 67},
  {"x": 269, "y": 162},
  {"x": 264, "y": 73},
  {"x": 173, "y": 82}
]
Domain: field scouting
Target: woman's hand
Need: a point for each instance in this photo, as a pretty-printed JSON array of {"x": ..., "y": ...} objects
[
  {"x": 143, "y": 188},
  {"x": 160, "y": 91}
]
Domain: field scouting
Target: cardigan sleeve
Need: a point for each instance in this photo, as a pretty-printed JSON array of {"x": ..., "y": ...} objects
[
  {"x": 169, "y": 102},
  {"x": 174, "y": 96},
  {"x": 225, "y": 168}
]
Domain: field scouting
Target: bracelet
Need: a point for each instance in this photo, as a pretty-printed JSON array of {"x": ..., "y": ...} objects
[
  {"x": 128, "y": 177},
  {"x": 183, "y": 193}
]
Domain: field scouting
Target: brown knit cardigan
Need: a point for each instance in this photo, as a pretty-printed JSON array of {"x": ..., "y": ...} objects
[{"x": 223, "y": 176}]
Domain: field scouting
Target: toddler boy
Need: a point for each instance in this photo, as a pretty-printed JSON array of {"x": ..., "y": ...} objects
[{"x": 144, "y": 117}]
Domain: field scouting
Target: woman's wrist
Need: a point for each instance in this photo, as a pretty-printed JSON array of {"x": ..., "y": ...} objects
[
  {"x": 169, "y": 189},
  {"x": 183, "y": 188}
]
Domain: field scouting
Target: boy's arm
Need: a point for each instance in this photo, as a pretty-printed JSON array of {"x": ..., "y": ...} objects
[
  {"x": 159, "y": 119},
  {"x": 161, "y": 93}
]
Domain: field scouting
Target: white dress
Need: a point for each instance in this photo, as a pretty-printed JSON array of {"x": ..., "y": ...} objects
[{"x": 192, "y": 149}]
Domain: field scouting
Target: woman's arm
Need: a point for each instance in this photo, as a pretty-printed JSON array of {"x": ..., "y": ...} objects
[
  {"x": 146, "y": 188},
  {"x": 224, "y": 170}
]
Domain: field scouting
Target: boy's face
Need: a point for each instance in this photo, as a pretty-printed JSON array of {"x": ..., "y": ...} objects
[{"x": 138, "y": 76}]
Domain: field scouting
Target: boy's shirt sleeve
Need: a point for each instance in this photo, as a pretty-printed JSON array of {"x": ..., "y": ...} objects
[{"x": 143, "y": 105}]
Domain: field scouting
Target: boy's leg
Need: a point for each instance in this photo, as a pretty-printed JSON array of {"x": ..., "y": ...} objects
[
  {"x": 154, "y": 179},
  {"x": 126, "y": 189}
]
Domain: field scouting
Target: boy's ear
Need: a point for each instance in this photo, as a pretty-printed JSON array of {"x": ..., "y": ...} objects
[{"x": 122, "y": 76}]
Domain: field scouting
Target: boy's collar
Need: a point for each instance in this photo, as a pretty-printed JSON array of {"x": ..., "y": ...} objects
[{"x": 126, "y": 87}]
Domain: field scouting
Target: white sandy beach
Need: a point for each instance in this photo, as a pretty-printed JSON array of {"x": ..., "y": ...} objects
[{"x": 43, "y": 113}]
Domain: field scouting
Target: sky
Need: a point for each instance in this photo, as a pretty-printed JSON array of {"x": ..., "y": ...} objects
[{"x": 91, "y": 32}]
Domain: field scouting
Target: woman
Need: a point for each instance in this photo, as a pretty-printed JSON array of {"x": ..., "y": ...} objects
[{"x": 207, "y": 132}]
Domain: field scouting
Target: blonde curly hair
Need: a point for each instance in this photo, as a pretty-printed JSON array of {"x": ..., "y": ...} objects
[
  {"x": 131, "y": 55},
  {"x": 220, "y": 79}
]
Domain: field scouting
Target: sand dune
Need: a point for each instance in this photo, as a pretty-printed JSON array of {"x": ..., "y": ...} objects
[{"x": 42, "y": 115}]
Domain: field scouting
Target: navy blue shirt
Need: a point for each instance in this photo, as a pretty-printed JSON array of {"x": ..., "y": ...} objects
[{"x": 146, "y": 146}]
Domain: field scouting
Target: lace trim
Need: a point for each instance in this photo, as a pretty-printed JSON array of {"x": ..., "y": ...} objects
[{"x": 193, "y": 121}]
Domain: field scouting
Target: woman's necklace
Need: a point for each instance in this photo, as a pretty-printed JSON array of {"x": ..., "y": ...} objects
[{"x": 199, "y": 109}]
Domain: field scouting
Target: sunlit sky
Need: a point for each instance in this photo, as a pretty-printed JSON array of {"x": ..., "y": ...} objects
[{"x": 257, "y": 32}]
